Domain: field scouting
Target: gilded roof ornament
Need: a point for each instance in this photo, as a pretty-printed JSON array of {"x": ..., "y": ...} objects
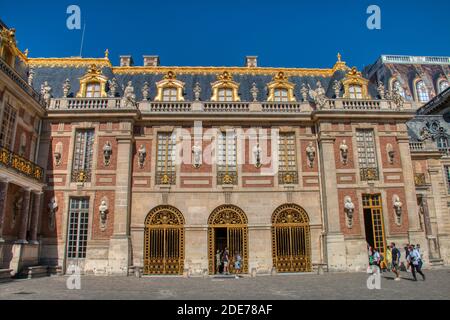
[
  {"x": 340, "y": 65},
  {"x": 225, "y": 76},
  {"x": 280, "y": 77},
  {"x": 170, "y": 75},
  {"x": 106, "y": 54}
]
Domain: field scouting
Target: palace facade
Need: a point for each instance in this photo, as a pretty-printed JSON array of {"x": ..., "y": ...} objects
[{"x": 155, "y": 168}]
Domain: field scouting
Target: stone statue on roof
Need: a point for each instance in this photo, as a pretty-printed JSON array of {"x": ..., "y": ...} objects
[
  {"x": 318, "y": 95},
  {"x": 129, "y": 97}
]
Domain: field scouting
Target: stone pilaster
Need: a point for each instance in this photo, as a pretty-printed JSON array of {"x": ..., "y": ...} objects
[
  {"x": 414, "y": 233},
  {"x": 119, "y": 249},
  {"x": 335, "y": 244},
  {"x": 3, "y": 193},
  {"x": 22, "y": 236},
  {"x": 35, "y": 217}
]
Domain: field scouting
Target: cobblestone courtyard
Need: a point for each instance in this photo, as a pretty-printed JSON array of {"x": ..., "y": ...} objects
[{"x": 303, "y": 286}]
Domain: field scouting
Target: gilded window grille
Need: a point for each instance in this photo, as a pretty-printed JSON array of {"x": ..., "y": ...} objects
[
  {"x": 291, "y": 244},
  {"x": 287, "y": 161},
  {"x": 373, "y": 202},
  {"x": 235, "y": 221},
  {"x": 419, "y": 179},
  {"x": 164, "y": 241},
  {"x": 367, "y": 158},
  {"x": 83, "y": 156},
  {"x": 165, "y": 162},
  {"x": 227, "y": 159}
]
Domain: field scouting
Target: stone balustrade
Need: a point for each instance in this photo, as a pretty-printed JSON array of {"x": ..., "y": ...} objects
[
  {"x": 90, "y": 104},
  {"x": 222, "y": 107}
]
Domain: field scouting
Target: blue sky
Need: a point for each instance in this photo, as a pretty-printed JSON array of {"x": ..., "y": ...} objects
[{"x": 221, "y": 33}]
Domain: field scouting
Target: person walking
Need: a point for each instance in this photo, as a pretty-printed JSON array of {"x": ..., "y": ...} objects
[
  {"x": 415, "y": 261},
  {"x": 388, "y": 259},
  {"x": 218, "y": 261},
  {"x": 395, "y": 258},
  {"x": 237, "y": 264},
  {"x": 225, "y": 260}
]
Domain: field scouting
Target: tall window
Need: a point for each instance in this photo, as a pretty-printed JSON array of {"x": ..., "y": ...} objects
[
  {"x": 225, "y": 94},
  {"x": 442, "y": 143},
  {"x": 355, "y": 92},
  {"x": 443, "y": 84},
  {"x": 287, "y": 163},
  {"x": 8, "y": 122},
  {"x": 93, "y": 90},
  {"x": 82, "y": 155},
  {"x": 422, "y": 92},
  {"x": 447, "y": 177},
  {"x": 77, "y": 234},
  {"x": 398, "y": 87},
  {"x": 165, "y": 163},
  {"x": 227, "y": 159},
  {"x": 280, "y": 95},
  {"x": 170, "y": 94},
  {"x": 367, "y": 154}
]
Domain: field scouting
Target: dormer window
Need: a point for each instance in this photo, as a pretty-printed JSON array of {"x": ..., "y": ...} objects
[
  {"x": 169, "y": 89},
  {"x": 422, "y": 92},
  {"x": 170, "y": 94},
  {"x": 280, "y": 89},
  {"x": 443, "y": 84},
  {"x": 225, "y": 95},
  {"x": 355, "y": 86},
  {"x": 93, "y": 83},
  {"x": 280, "y": 95},
  {"x": 398, "y": 87},
  {"x": 225, "y": 89},
  {"x": 355, "y": 92},
  {"x": 93, "y": 90}
]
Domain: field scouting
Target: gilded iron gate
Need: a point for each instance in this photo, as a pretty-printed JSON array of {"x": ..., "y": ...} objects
[
  {"x": 291, "y": 248},
  {"x": 164, "y": 241},
  {"x": 235, "y": 221}
]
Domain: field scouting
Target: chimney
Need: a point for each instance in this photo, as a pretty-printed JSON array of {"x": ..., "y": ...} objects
[
  {"x": 126, "y": 61},
  {"x": 251, "y": 61},
  {"x": 151, "y": 61}
]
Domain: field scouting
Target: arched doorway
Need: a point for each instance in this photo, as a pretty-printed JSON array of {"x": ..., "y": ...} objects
[
  {"x": 227, "y": 227},
  {"x": 291, "y": 247},
  {"x": 164, "y": 241}
]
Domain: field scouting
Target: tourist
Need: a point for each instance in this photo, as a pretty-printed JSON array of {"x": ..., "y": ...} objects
[
  {"x": 395, "y": 261},
  {"x": 225, "y": 260},
  {"x": 218, "y": 261},
  {"x": 415, "y": 261},
  {"x": 388, "y": 259},
  {"x": 406, "y": 257},
  {"x": 237, "y": 264},
  {"x": 376, "y": 258}
]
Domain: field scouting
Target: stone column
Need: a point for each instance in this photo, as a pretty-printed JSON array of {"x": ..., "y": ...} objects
[
  {"x": 335, "y": 243},
  {"x": 3, "y": 193},
  {"x": 35, "y": 217},
  {"x": 22, "y": 237},
  {"x": 119, "y": 249}
]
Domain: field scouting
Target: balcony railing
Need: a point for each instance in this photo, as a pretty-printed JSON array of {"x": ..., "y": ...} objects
[
  {"x": 226, "y": 106},
  {"x": 21, "y": 165},
  {"x": 90, "y": 104},
  {"x": 14, "y": 76},
  {"x": 415, "y": 59}
]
